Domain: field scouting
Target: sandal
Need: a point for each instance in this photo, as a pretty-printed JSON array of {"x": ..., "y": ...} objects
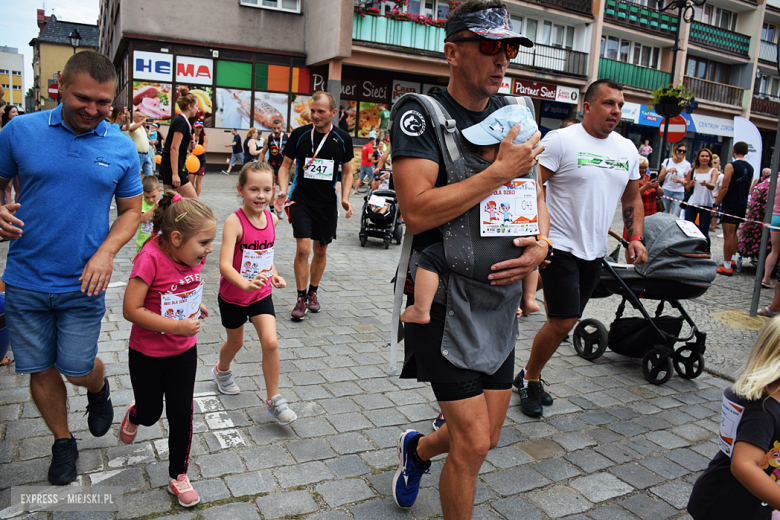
[
  {"x": 765, "y": 312},
  {"x": 767, "y": 286},
  {"x": 6, "y": 361}
]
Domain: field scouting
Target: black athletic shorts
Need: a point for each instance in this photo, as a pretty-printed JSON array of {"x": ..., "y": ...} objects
[
  {"x": 449, "y": 383},
  {"x": 317, "y": 223},
  {"x": 568, "y": 283},
  {"x": 725, "y": 219},
  {"x": 235, "y": 316},
  {"x": 167, "y": 177}
]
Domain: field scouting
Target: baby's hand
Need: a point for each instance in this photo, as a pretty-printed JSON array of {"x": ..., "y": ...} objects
[
  {"x": 188, "y": 327},
  {"x": 278, "y": 282}
]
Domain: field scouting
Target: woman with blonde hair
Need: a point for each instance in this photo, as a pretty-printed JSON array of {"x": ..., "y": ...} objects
[
  {"x": 702, "y": 179},
  {"x": 745, "y": 486},
  {"x": 172, "y": 170},
  {"x": 672, "y": 178},
  {"x": 250, "y": 146}
]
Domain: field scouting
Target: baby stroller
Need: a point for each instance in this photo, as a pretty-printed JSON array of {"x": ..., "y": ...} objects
[
  {"x": 378, "y": 224},
  {"x": 678, "y": 268}
]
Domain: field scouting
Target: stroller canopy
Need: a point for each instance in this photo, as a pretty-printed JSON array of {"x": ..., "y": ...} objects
[{"x": 673, "y": 255}]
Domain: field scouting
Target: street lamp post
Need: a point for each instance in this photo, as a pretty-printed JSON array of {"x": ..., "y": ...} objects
[
  {"x": 685, "y": 12},
  {"x": 75, "y": 39}
]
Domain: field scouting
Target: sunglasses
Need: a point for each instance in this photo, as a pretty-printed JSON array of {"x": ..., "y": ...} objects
[
  {"x": 682, "y": 150},
  {"x": 493, "y": 47}
]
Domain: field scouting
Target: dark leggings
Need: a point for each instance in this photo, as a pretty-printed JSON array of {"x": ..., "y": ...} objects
[
  {"x": 174, "y": 378},
  {"x": 705, "y": 217}
]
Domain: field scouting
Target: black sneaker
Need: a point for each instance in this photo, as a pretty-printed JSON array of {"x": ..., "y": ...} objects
[
  {"x": 546, "y": 398},
  {"x": 64, "y": 453},
  {"x": 530, "y": 399},
  {"x": 100, "y": 410}
]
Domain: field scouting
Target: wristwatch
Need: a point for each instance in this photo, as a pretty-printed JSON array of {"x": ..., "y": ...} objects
[{"x": 549, "y": 245}]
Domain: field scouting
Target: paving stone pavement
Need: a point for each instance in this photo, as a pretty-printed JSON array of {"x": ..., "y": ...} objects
[{"x": 611, "y": 447}]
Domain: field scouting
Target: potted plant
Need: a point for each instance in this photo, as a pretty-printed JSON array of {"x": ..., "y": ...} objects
[{"x": 670, "y": 101}]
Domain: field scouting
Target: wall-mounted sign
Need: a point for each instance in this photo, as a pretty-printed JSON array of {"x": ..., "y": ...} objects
[
  {"x": 567, "y": 95},
  {"x": 349, "y": 88},
  {"x": 378, "y": 91},
  {"x": 556, "y": 110},
  {"x": 199, "y": 71},
  {"x": 427, "y": 88},
  {"x": 631, "y": 112},
  {"x": 506, "y": 86},
  {"x": 403, "y": 87},
  {"x": 152, "y": 66},
  {"x": 534, "y": 89}
]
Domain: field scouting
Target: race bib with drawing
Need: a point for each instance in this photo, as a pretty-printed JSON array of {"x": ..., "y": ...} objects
[
  {"x": 182, "y": 305},
  {"x": 318, "y": 169},
  {"x": 257, "y": 261},
  {"x": 510, "y": 210},
  {"x": 147, "y": 227}
]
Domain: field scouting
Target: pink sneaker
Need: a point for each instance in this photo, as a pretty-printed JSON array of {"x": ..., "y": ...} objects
[
  {"x": 183, "y": 490},
  {"x": 300, "y": 309},
  {"x": 128, "y": 430}
]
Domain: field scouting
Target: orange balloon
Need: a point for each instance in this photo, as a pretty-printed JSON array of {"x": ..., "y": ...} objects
[
  {"x": 198, "y": 149},
  {"x": 192, "y": 164},
  {"x": 158, "y": 159}
]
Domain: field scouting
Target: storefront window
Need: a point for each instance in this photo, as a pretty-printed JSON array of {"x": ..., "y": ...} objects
[{"x": 625, "y": 48}]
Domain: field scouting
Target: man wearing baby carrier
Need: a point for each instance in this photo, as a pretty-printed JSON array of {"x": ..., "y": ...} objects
[
  {"x": 472, "y": 382},
  {"x": 588, "y": 168}
]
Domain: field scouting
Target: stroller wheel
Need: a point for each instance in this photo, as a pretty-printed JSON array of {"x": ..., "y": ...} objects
[
  {"x": 398, "y": 233},
  {"x": 363, "y": 240},
  {"x": 387, "y": 242},
  {"x": 688, "y": 362},
  {"x": 590, "y": 339},
  {"x": 656, "y": 370}
]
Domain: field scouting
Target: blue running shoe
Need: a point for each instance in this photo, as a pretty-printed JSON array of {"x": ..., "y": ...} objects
[{"x": 406, "y": 482}]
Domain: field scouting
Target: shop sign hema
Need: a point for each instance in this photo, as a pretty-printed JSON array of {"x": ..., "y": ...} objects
[
  {"x": 152, "y": 66},
  {"x": 403, "y": 87},
  {"x": 198, "y": 71}
]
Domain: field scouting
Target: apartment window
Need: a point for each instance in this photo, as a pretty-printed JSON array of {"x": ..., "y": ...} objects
[
  {"x": 3, "y": 71},
  {"x": 569, "y": 37},
  {"x": 291, "y": 6},
  {"x": 413, "y": 7},
  {"x": 725, "y": 19},
  {"x": 17, "y": 87},
  {"x": 16, "y": 72},
  {"x": 645, "y": 56},
  {"x": 708, "y": 69},
  {"x": 769, "y": 33},
  {"x": 530, "y": 29},
  {"x": 5, "y": 85},
  {"x": 625, "y": 50},
  {"x": 517, "y": 24},
  {"x": 609, "y": 47},
  {"x": 438, "y": 10}
]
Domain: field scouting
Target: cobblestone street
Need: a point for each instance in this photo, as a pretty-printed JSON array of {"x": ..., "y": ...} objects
[{"x": 611, "y": 447}]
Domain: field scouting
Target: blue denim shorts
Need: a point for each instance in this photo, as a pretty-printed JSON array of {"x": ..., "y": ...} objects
[{"x": 54, "y": 330}]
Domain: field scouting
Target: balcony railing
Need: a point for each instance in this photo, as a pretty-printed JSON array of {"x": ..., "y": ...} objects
[
  {"x": 634, "y": 75},
  {"x": 767, "y": 51},
  {"x": 720, "y": 39},
  {"x": 561, "y": 60},
  {"x": 580, "y": 6},
  {"x": 716, "y": 92},
  {"x": 641, "y": 17},
  {"x": 379, "y": 29},
  {"x": 765, "y": 104}
]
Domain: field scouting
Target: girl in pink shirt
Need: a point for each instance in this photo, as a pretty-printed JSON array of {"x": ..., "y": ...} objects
[
  {"x": 247, "y": 267},
  {"x": 163, "y": 301}
]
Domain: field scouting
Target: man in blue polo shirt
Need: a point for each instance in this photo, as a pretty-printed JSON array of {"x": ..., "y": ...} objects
[{"x": 62, "y": 251}]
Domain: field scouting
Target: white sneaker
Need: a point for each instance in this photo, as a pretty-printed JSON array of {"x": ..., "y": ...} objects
[
  {"x": 279, "y": 410},
  {"x": 225, "y": 381}
]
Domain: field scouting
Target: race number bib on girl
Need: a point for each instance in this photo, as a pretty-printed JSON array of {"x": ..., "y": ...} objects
[
  {"x": 254, "y": 262},
  {"x": 183, "y": 305},
  {"x": 319, "y": 169},
  {"x": 510, "y": 211}
]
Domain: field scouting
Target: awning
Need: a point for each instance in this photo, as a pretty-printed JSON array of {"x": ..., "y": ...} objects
[{"x": 713, "y": 125}]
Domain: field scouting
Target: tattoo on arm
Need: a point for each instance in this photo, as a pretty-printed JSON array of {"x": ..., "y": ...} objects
[{"x": 628, "y": 220}]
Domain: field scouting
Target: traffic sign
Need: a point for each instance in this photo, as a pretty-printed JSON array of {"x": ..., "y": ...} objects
[
  {"x": 677, "y": 129},
  {"x": 54, "y": 91}
]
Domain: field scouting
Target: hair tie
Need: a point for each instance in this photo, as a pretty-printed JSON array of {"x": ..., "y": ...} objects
[
  {"x": 181, "y": 216},
  {"x": 176, "y": 198}
]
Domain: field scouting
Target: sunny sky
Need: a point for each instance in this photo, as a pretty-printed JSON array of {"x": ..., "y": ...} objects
[{"x": 18, "y": 25}]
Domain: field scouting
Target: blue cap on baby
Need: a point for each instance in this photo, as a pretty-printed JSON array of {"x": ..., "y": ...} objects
[{"x": 497, "y": 125}]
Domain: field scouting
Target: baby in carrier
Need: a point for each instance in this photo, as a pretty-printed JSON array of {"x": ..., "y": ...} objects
[{"x": 487, "y": 135}]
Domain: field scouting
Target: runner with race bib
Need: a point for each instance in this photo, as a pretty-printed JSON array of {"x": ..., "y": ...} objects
[{"x": 318, "y": 150}]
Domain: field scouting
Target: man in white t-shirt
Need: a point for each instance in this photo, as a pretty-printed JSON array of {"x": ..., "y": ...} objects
[{"x": 588, "y": 168}]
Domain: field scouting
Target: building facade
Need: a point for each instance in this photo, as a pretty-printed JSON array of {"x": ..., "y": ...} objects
[
  {"x": 12, "y": 75},
  {"x": 51, "y": 49},
  {"x": 254, "y": 60}
]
